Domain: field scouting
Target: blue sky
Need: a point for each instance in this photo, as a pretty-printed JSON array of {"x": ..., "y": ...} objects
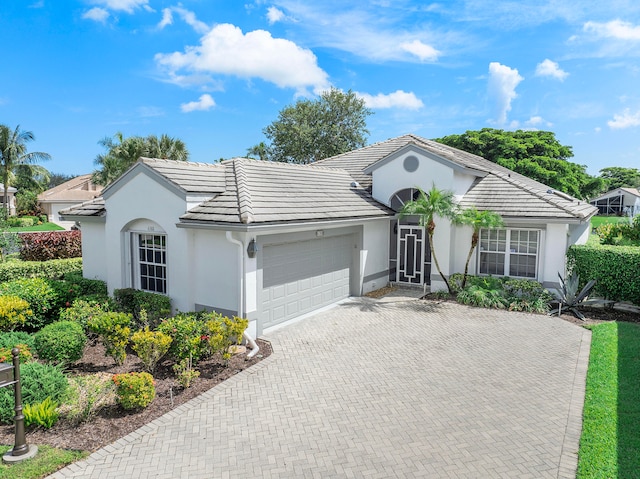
[{"x": 215, "y": 73}]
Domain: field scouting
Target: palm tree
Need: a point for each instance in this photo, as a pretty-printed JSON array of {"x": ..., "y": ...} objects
[
  {"x": 14, "y": 155},
  {"x": 261, "y": 150},
  {"x": 166, "y": 148},
  {"x": 427, "y": 206},
  {"x": 122, "y": 153},
  {"x": 477, "y": 220}
]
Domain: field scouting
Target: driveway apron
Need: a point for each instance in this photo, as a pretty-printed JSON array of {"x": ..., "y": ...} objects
[{"x": 386, "y": 388}]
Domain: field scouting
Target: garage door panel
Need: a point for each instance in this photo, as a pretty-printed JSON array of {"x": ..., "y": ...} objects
[{"x": 304, "y": 276}]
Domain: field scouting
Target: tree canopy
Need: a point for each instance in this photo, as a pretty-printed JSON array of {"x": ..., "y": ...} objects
[
  {"x": 535, "y": 154},
  {"x": 123, "y": 152},
  {"x": 17, "y": 162},
  {"x": 619, "y": 177},
  {"x": 311, "y": 130}
]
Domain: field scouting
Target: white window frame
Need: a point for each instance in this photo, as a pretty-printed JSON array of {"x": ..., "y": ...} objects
[
  {"x": 508, "y": 251},
  {"x": 138, "y": 264}
]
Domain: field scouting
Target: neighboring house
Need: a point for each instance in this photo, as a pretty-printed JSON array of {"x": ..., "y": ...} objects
[
  {"x": 66, "y": 195},
  {"x": 618, "y": 202},
  {"x": 272, "y": 241},
  {"x": 11, "y": 199}
]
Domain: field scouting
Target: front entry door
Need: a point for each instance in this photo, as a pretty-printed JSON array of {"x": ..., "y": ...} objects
[{"x": 412, "y": 248}]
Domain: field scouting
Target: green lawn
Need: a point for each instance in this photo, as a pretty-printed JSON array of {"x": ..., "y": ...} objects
[
  {"x": 598, "y": 220},
  {"x": 610, "y": 442},
  {"x": 47, "y": 461},
  {"x": 42, "y": 227}
]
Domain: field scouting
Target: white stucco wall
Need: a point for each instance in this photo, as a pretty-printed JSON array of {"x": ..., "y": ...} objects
[
  {"x": 374, "y": 255},
  {"x": 579, "y": 234},
  {"x": 143, "y": 205},
  {"x": 391, "y": 177},
  {"x": 554, "y": 248},
  {"x": 94, "y": 259}
]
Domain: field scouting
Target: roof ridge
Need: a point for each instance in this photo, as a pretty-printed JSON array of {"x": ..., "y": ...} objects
[
  {"x": 284, "y": 164},
  {"x": 143, "y": 159},
  {"x": 242, "y": 190},
  {"x": 535, "y": 191}
]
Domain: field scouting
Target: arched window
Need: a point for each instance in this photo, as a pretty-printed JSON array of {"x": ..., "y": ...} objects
[{"x": 148, "y": 253}]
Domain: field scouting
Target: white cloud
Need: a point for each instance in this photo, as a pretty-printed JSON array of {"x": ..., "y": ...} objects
[
  {"x": 625, "y": 120},
  {"x": 502, "y": 89},
  {"x": 204, "y": 103},
  {"x": 167, "y": 18},
  {"x": 124, "y": 5},
  {"x": 423, "y": 51},
  {"x": 274, "y": 15},
  {"x": 537, "y": 122},
  {"x": 549, "y": 68},
  {"x": 226, "y": 50},
  {"x": 614, "y": 29},
  {"x": 96, "y": 13},
  {"x": 397, "y": 99}
]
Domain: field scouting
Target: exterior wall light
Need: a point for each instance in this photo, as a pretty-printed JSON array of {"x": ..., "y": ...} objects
[{"x": 252, "y": 248}]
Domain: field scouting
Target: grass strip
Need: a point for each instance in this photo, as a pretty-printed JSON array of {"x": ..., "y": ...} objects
[{"x": 47, "y": 461}]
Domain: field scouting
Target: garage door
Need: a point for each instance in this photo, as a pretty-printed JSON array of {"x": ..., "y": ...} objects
[{"x": 300, "y": 277}]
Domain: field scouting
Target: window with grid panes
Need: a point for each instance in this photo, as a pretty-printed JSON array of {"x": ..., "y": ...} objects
[
  {"x": 152, "y": 262},
  {"x": 509, "y": 252}
]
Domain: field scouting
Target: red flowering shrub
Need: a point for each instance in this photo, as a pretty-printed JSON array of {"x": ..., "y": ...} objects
[{"x": 48, "y": 245}]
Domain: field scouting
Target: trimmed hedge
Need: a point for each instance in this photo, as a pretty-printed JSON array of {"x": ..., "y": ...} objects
[
  {"x": 616, "y": 270},
  {"x": 133, "y": 301},
  {"x": 48, "y": 245},
  {"x": 54, "y": 269}
]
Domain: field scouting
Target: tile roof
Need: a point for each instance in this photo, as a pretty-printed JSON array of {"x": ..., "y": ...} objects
[
  {"x": 510, "y": 198},
  {"x": 80, "y": 188},
  {"x": 189, "y": 176},
  {"x": 266, "y": 192},
  {"x": 93, "y": 207}
]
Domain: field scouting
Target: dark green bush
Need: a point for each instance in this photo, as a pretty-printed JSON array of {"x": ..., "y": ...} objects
[
  {"x": 54, "y": 269},
  {"x": 82, "y": 311},
  {"x": 132, "y": 301},
  {"x": 40, "y": 296},
  {"x": 39, "y": 381},
  {"x": 189, "y": 334},
  {"x": 11, "y": 339},
  {"x": 616, "y": 270},
  {"x": 62, "y": 342}
]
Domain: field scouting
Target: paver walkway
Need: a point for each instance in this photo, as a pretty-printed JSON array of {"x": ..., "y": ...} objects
[{"x": 379, "y": 389}]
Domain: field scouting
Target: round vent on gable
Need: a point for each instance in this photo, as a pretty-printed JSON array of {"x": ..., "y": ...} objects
[{"x": 411, "y": 163}]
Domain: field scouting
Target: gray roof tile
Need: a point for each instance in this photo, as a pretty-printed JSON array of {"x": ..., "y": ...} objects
[{"x": 190, "y": 177}]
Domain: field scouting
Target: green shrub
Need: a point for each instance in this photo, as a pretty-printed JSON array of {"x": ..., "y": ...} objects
[
  {"x": 134, "y": 390},
  {"x": 40, "y": 296},
  {"x": 615, "y": 269},
  {"x": 150, "y": 347},
  {"x": 9, "y": 244},
  {"x": 87, "y": 396},
  {"x": 13, "y": 338},
  {"x": 185, "y": 372},
  {"x": 132, "y": 301},
  {"x": 54, "y": 269},
  {"x": 14, "y": 312},
  {"x": 85, "y": 286},
  {"x": 43, "y": 413},
  {"x": 62, "y": 342},
  {"x": 476, "y": 295},
  {"x": 223, "y": 332},
  {"x": 526, "y": 295},
  {"x": 188, "y": 332},
  {"x": 82, "y": 311},
  {"x": 114, "y": 331},
  {"x": 39, "y": 381}
]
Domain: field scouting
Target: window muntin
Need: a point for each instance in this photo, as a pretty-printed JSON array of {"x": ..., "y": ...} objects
[
  {"x": 519, "y": 260},
  {"x": 152, "y": 262}
]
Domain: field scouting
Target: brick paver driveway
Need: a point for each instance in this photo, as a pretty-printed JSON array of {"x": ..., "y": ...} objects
[{"x": 380, "y": 389}]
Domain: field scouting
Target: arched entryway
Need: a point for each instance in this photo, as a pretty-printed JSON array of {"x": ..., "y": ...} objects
[{"x": 409, "y": 249}]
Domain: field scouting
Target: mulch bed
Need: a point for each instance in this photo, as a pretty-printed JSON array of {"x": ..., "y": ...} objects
[{"x": 114, "y": 422}]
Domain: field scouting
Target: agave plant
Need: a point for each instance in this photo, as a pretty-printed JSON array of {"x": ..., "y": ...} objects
[{"x": 569, "y": 299}]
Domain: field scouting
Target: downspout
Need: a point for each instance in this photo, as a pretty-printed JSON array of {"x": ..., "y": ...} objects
[{"x": 241, "y": 295}]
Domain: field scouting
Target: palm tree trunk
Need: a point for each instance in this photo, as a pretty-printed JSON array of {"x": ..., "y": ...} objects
[
  {"x": 474, "y": 243},
  {"x": 435, "y": 260}
]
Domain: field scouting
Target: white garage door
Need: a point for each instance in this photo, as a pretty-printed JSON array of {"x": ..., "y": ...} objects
[{"x": 303, "y": 276}]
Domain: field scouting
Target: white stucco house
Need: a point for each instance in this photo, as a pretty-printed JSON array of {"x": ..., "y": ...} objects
[
  {"x": 272, "y": 241},
  {"x": 66, "y": 195},
  {"x": 618, "y": 202}
]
